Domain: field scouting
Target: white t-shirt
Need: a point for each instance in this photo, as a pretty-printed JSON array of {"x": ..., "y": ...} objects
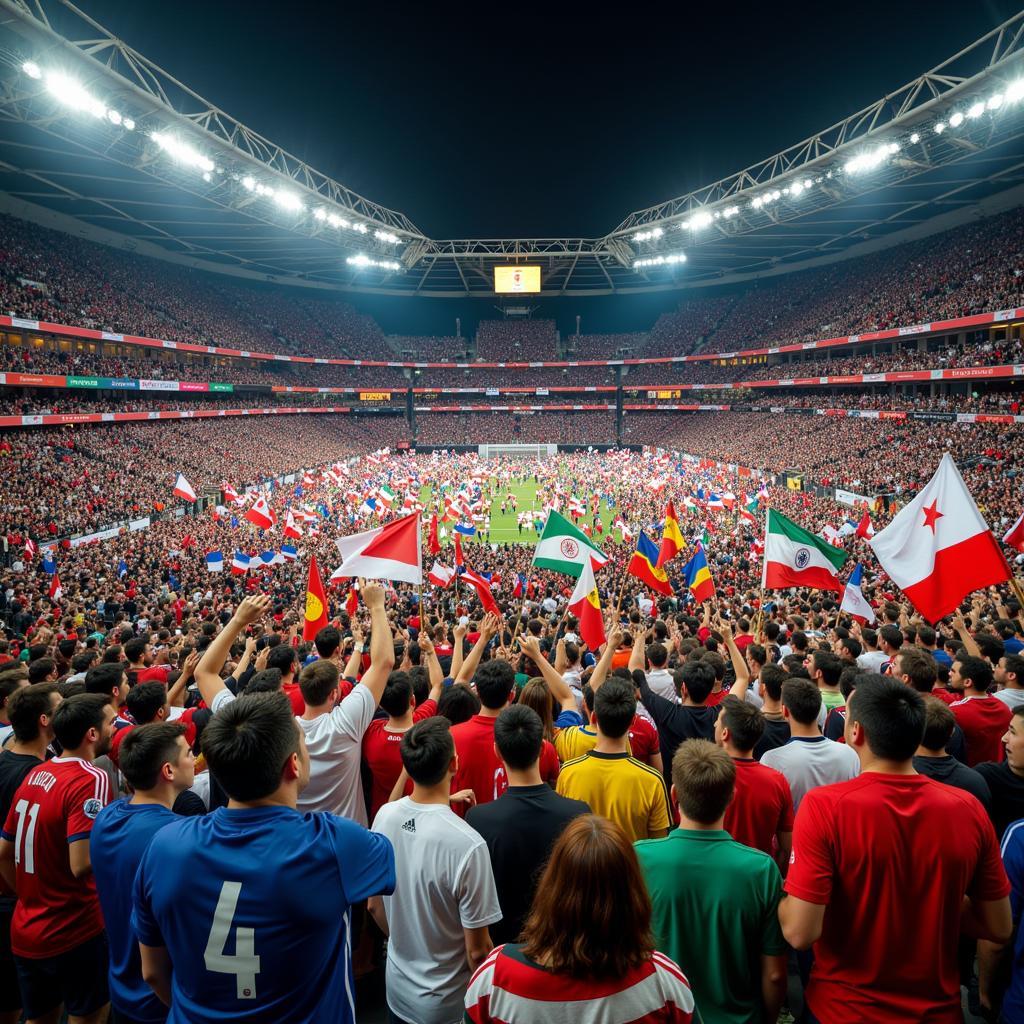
[
  {"x": 660, "y": 681},
  {"x": 807, "y": 763},
  {"x": 335, "y": 743},
  {"x": 444, "y": 884},
  {"x": 872, "y": 661},
  {"x": 1011, "y": 698}
]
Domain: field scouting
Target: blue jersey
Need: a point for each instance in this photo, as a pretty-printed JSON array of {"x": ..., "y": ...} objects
[
  {"x": 1012, "y": 849},
  {"x": 119, "y": 838},
  {"x": 253, "y": 908}
]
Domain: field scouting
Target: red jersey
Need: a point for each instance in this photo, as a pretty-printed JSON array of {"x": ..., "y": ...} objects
[
  {"x": 984, "y": 721},
  {"x": 154, "y": 674},
  {"x": 382, "y": 754},
  {"x": 549, "y": 766},
  {"x": 643, "y": 740},
  {"x": 478, "y": 763},
  {"x": 716, "y": 697},
  {"x": 945, "y": 695},
  {"x": 888, "y": 947},
  {"x": 761, "y": 807},
  {"x": 55, "y": 806},
  {"x": 294, "y": 694}
]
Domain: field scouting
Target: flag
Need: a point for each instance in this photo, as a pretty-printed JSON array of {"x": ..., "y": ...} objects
[
  {"x": 585, "y": 604},
  {"x": 728, "y": 500},
  {"x": 671, "y": 538},
  {"x": 56, "y": 590},
  {"x": 183, "y": 489},
  {"x": 520, "y": 587},
  {"x": 433, "y": 540},
  {"x": 440, "y": 575},
  {"x": 854, "y": 601},
  {"x": 386, "y": 495},
  {"x": 214, "y": 561},
  {"x": 1014, "y": 536},
  {"x": 714, "y": 501},
  {"x": 832, "y": 535},
  {"x": 49, "y": 564},
  {"x": 122, "y": 568},
  {"x": 368, "y": 507},
  {"x": 261, "y": 514},
  {"x": 269, "y": 558},
  {"x": 316, "y": 603},
  {"x": 938, "y": 549},
  {"x": 291, "y": 528},
  {"x": 289, "y": 553},
  {"x": 230, "y": 494},
  {"x": 563, "y": 548},
  {"x": 30, "y": 547},
  {"x": 483, "y": 590},
  {"x": 172, "y": 582},
  {"x": 794, "y": 557},
  {"x": 466, "y": 529},
  {"x": 391, "y": 552},
  {"x": 697, "y": 576},
  {"x": 864, "y": 527},
  {"x": 352, "y": 601},
  {"x": 644, "y": 566},
  {"x": 240, "y": 564},
  {"x": 459, "y": 560}
]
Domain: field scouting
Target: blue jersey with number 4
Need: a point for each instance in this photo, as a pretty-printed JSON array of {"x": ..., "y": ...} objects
[{"x": 253, "y": 908}]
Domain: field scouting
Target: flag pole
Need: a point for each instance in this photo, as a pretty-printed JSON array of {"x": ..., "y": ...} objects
[{"x": 618, "y": 600}]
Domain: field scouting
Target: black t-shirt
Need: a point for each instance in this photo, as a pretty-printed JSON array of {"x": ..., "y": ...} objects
[
  {"x": 1007, "y": 792},
  {"x": 776, "y": 734},
  {"x": 520, "y": 828},
  {"x": 13, "y": 769},
  {"x": 676, "y": 722},
  {"x": 950, "y": 771}
]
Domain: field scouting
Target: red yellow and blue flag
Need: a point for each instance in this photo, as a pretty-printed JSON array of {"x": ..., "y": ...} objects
[
  {"x": 644, "y": 566},
  {"x": 697, "y": 576}
]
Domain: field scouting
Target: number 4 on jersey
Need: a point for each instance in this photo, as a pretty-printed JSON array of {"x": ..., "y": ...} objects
[{"x": 244, "y": 964}]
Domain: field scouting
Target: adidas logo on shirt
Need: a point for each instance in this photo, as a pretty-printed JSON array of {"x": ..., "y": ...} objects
[{"x": 410, "y": 825}]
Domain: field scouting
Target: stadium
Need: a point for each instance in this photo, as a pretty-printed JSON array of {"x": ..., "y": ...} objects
[{"x": 390, "y": 620}]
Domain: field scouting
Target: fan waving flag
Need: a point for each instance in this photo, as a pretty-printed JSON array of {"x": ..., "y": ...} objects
[
  {"x": 483, "y": 590},
  {"x": 183, "y": 489},
  {"x": 644, "y": 566},
  {"x": 433, "y": 541},
  {"x": 1014, "y": 536},
  {"x": 585, "y": 604},
  {"x": 671, "y": 537},
  {"x": 797, "y": 558},
  {"x": 391, "y": 552},
  {"x": 854, "y": 600},
  {"x": 240, "y": 564},
  {"x": 49, "y": 564},
  {"x": 864, "y": 527},
  {"x": 440, "y": 575},
  {"x": 563, "y": 548},
  {"x": 261, "y": 514},
  {"x": 316, "y": 603},
  {"x": 697, "y": 577},
  {"x": 291, "y": 528},
  {"x": 214, "y": 561},
  {"x": 938, "y": 549},
  {"x": 56, "y": 590}
]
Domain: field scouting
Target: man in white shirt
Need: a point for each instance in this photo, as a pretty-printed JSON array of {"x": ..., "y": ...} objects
[
  {"x": 872, "y": 659},
  {"x": 659, "y": 679},
  {"x": 808, "y": 759},
  {"x": 445, "y": 899}
]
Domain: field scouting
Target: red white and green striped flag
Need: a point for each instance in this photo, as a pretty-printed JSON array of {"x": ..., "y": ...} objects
[{"x": 794, "y": 557}]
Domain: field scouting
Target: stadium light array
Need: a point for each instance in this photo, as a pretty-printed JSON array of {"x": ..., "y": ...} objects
[
  {"x": 659, "y": 261},
  {"x": 181, "y": 151},
  {"x": 363, "y": 260},
  {"x": 647, "y": 236}
]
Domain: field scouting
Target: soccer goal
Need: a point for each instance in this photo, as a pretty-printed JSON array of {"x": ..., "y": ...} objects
[{"x": 525, "y": 451}]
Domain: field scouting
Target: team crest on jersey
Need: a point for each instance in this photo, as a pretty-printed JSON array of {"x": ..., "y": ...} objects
[{"x": 92, "y": 807}]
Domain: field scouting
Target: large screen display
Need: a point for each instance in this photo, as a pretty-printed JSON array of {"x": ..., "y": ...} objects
[{"x": 510, "y": 280}]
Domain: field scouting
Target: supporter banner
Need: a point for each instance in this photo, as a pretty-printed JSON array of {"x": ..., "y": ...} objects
[
  {"x": 852, "y": 497},
  {"x": 120, "y": 383},
  {"x": 138, "y": 524},
  {"x": 542, "y": 392},
  {"x": 934, "y": 417},
  {"x": 193, "y": 386},
  {"x": 38, "y": 380},
  {"x": 77, "y": 542},
  {"x": 218, "y": 386},
  {"x": 158, "y": 385},
  {"x": 28, "y": 325},
  {"x": 84, "y": 382}
]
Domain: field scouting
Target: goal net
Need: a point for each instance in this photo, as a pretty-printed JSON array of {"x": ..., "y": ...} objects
[{"x": 526, "y": 451}]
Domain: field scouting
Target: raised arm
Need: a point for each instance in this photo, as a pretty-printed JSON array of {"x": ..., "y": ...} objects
[
  {"x": 488, "y": 628},
  {"x": 559, "y": 688},
  {"x": 638, "y": 653},
  {"x": 739, "y": 664},
  {"x": 176, "y": 693},
  {"x": 382, "y": 647},
  {"x": 604, "y": 664},
  {"x": 458, "y": 651},
  {"x": 429, "y": 658},
  {"x": 251, "y": 610},
  {"x": 970, "y": 644}
]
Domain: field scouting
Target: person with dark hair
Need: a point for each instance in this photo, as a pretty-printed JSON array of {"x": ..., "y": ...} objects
[
  {"x": 825, "y": 669},
  {"x": 890, "y": 640},
  {"x": 159, "y": 765},
  {"x": 983, "y": 718},
  {"x": 1005, "y": 777},
  {"x": 57, "y": 936},
  {"x": 257, "y": 873},
  {"x": 42, "y": 670},
  {"x": 715, "y": 899},
  {"x": 776, "y": 725},
  {"x": 932, "y": 758},
  {"x": 808, "y": 759},
  {"x": 761, "y": 811},
  {"x": 1009, "y": 675},
  {"x": 872, "y": 659},
  {"x": 108, "y": 679},
  {"x": 11, "y": 680},
  {"x": 608, "y": 779},
  {"x": 282, "y": 657},
  {"x": 850, "y": 880},
  {"x": 458, "y": 704},
  {"x": 444, "y": 899},
  {"x": 521, "y": 826},
  {"x": 587, "y": 943}
]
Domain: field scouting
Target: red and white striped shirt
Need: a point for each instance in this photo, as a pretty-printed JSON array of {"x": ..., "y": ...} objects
[{"x": 508, "y": 988}]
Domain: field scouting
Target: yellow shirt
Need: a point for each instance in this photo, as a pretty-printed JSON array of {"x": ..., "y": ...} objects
[
  {"x": 575, "y": 740},
  {"x": 621, "y": 788}
]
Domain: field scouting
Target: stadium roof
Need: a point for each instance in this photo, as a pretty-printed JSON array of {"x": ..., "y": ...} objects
[{"x": 116, "y": 148}]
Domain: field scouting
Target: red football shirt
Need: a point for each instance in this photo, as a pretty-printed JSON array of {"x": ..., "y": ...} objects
[
  {"x": 643, "y": 740},
  {"x": 761, "y": 807},
  {"x": 154, "y": 674},
  {"x": 294, "y": 694},
  {"x": 478, "y": 763},
  {"x": 945, "y": 695},
  {"x": 984, "y": 721},
  {"x": 714, "y": 699},
  {"x": 54, "y": 807},
  {"x": 891, "y": 857},
  {"x": 382, "y": 754}
]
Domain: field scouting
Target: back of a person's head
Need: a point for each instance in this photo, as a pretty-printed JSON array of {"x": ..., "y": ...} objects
[
  {"x": 519, "y": 736},
  {"x": 494, "y": 682},
  {"x": 397, "y": 694},
  {"x": 318, "y": 681},
  {"x": 852, "y": 647},
  {"x": 615, "y": 708},
  {"x": 869, "y": 636},
  {"x": 798, "y": 641},
  {"x": 977, "y": 670},
  {"x": 802, "y": 699},
  {"x": 268, "y": 680},
  {"x": 25, "y": 708},
  {"x": 427, "y": 750},
  {"x": 281, "y": 657},
  {"x": 327, "y": 641},
  {"x": 536, "y": 696},
  {"x": 83, "y": 661},
  {"x": 657, "y": 655},
  {"x": 756, "y": 653},
  {"x": 591, "y": 916},
  {"x": 830, "y": 665},
  {"x": 145, "y": 700},
  {"x": 891, "y": 714},
  {"x": 146, "y": 749},
  {"x": 892, "y": 635},
  {"x": 939, "y": 721},
  {"x": 919, "y": 668},
  {"x": 991, "y": 647},
  {"x": 76, "y": 716},
  {"x": 37, "y": 651},
  {"x": 248, "y": 742},
  {"x": 744, "y": 722},
  {"x": 104, "y": 678},
  {"x": 135, "y": 648},
  {"x": 704, "y": 776},
  {"x": 771, "y": 677},
  {"x": 458, "y": 704},
  {"x": 926, "y": 635},
  {"x": 716, "y": 663},
  {"x": 698, "y": 679},
  {"x": 572, "y": 653}
]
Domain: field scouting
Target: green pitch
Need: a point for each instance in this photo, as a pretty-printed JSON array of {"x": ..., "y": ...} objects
[{"x": 504, "y": 528}]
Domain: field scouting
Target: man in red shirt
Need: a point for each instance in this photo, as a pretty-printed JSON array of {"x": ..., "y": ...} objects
[
  {"x": 885, "y": 924},
  {"x": 983, "y": 718},
  {"x": 760, "y": 813},
  {"x": 57, "y": 935}
]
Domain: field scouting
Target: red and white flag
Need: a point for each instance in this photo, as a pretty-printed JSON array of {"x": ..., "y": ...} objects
[
  {"x": 938, "y": 549},
  {"x": 230, "y": 494},
  {"x": 30, "y": 548},
  {"x": 483, "y": 590},
  {"x": 440, "y": 575},
  {"x": 864, "y": 527},
  {"x": 183, "y": 489},
  {"x": 261, "y": 514},
  {"x": 391, "y": 552},
  {"x": 1014, "y": 536},
  {"x": 56, "y": 590},
  {"x": 291, "y": 528}
]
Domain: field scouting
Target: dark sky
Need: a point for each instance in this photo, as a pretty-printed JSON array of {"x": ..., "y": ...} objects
[{"x": 526, "y": 119}]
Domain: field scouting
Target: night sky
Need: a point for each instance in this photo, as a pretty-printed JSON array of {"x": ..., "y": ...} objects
[{"x": 525, "y": 120}]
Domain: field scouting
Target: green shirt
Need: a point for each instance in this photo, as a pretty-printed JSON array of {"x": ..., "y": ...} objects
[
  {"x": 832, "y": 700},
  {"x": 715, "y": 913}
]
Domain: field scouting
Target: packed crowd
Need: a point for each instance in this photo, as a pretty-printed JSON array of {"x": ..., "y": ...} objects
[{"x": 545, "y": 427}]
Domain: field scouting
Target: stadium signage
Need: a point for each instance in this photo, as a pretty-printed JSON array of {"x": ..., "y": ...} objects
[
  {"x": 158, "y": 385},
  {"x": 374, "y": 396},
  {"x": 83, "y": 382},
  {"x": 121, "y": 383},
  {"x": 28, "y": 325},
  {"x": 218, "y": 386}
]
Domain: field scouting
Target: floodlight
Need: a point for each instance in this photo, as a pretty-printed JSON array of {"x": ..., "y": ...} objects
[
  {"x": 796, "y": 188},
  {"x": 128, "y": 124},
  {"x": 995, "y": 101},
  {"x": 181, "y": 151},
  {"x": 956, "y": 120},
  {"x": 940, "y": 127},
  {"x": 361, "y": 228},
  {"x": 113, "y": 117},
  {"x": 1015, "y": 91},
  {"x": 289, "y": 201},
  {"x": 71, "y": 93},
  {"x": 362, "y": 260},
  {"x": 386, "y": 236},
  {"x": 207, "y": 176},
  {"x": 249, "y": 182},
  {"x": 976, "y": 110},
  {"x": 700, "y": 219},
  {"x": 914, "y": 138},
  {"x": 731, "y": 211},
  {"x": 320, "y": 213},
  {"x": 32, "y": 69},
  {"x": 336, "y": 222}
]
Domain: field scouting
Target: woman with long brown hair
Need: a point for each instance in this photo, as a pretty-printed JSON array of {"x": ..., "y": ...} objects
[{"x": 586, "y": 942}]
